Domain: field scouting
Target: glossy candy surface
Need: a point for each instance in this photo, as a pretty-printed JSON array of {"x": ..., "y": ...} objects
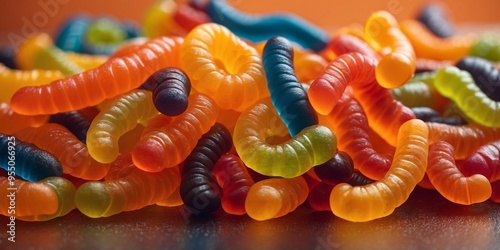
[
  {"x": 287, "y": 94},
  {"x": 398, "y": 65},
  {"x": 199, "y": 189},
  {"x": 312, "y": 146},
  {"x": 71, "y": 152},
  {"x": 30, "y": 198},
  {"x": 120, "y": 115},
  {"x": 91, "y": 87},
  {"x": 485, "y": 75},
  {"x": 27, "y": 160},
  {"x": 136, "y": 190},
  {"x": 275, "y": 197},
  {"x": 159, "y": 148},
  {"x": 450, "y": 182},
  {"x": 232, "y": 176},
  {"x": 171, "y": 88},
  {"x": 223, "y": 67},
  {"x": 459, "y": 86},
  {"x": 379, "y": 199},
  {"x": 261, "y": 28},
  {"x": 75, "y": 121}
]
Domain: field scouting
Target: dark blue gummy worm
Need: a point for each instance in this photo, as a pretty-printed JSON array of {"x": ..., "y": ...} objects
[
  {"x": 287, "y": 94},
  {"x": 485, "y": 75},
  {"x": 336, "y": 170},
  {"x": 171, "y": 88},
  {"x": 26, "y": 160},
  {"x": 435, "y": 19},
  {"x": 76, "y": 122},
  {"x": 198, "y": 188}
]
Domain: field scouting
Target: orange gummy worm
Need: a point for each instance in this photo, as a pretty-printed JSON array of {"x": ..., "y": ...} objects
[
  {"x": 11, "y": 122},
  {"x": 385, "y": 114},
  {"x": 347, "y": 69},
  {"x": 465, "y": 139},
  {"x": 30, "y": 198},
  {"x": 224, "y": 67},
  {"x": 71, "y": 152},
  {"x": 169, "y": 145},
  {"x": 427, "y": 45},
  {"x": 12, "y": 80},
  {"x": 275, "y": 197},
  {"x": 136, "y": 190},
  {"x": 91, "y": 87},
  {"x": 450, "y": 182},
  {"x": 397, "y": 66},
  {"x": 379, "y": 199}
]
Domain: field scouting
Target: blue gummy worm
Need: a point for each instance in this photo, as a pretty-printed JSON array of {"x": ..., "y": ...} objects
[
  {"x": 287, "y": 94},
  {"x": 26, "y": 160},
  {"x": 71, "y": 34},
  {"x": 262, "y": 28}
]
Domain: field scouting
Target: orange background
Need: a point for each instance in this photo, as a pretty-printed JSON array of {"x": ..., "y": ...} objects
[{"x": 329, "y": 14}]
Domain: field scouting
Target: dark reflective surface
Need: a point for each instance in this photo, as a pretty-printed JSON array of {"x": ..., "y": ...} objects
[{"x": 426, "y": 220}]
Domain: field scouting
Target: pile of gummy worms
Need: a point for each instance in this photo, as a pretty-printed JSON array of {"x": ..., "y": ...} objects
[{"x": 216, "y": 109}]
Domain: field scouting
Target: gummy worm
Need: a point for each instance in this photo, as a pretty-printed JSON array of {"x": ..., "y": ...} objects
[
  {"x": 287, "y": 94},
  {"x": 261, "y": 28},
  {"x": 120, "y": 115},
  {"x": 379, "y": 199},
  {"x": 89, "y": 88},
  {"x": 312, "y": 146}
]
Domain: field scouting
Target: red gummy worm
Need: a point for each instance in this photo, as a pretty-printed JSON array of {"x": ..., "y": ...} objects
[
  {"x": 351, "y": 68},
  {"x": 232, "y": 175},
  {"x": 450, "y": 182},
  {"x": 350, "y": 124},
  {"x": 345, "y": 43}
]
